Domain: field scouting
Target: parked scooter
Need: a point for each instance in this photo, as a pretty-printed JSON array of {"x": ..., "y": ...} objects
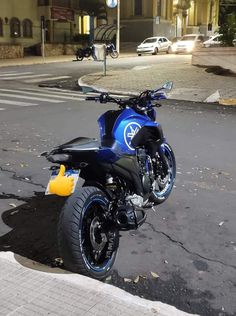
[{"x": 111, "y": 50}]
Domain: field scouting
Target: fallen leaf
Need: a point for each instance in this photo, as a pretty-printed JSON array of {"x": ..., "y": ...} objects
[
  {"x": 12, "y": 204},
  {"x": 127, "y": 280},
  {"x": 108, "y": 278},
  {"x": 155, "y": 275},
  {"x": 58, "y": 262},
  {"x": 14, "y": 212},
  {"x": 136, "y": 280}
]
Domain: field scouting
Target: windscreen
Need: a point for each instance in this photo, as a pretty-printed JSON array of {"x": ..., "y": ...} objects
[{"x": 149, "y": 40}]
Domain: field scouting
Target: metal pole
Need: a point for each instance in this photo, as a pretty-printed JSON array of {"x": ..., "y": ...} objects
[
  {"x": 43, "y": 46},
  {"x": 43, "y": 36},
  {"x": 118, "y": 27},
  {"x": 104, "y": 61}
]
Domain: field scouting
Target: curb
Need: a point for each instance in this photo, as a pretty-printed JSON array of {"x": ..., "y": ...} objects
[
  {"x": 79, "y": 282},
  {"x": 86, "y": 88}
]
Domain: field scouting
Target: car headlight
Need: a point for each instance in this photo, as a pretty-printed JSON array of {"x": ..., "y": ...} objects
[
  {"x": 190, "y": 47},
  {"x": 174, "y": 47}
]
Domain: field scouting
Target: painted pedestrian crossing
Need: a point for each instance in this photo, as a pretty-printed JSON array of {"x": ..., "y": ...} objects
[
  {"x": 32, "y": 97},
  {"x": 27, "y": 97},
  {"x": 29, "y": 77}
]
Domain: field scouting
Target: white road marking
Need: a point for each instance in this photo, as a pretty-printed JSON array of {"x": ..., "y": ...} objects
[
  {"x": 56, "y": 91},
  {"x": 43, "y": 94},
  {"x": 14, "y": 74},
  {"x": 28, "y": 76},
  {"x": 30, "y": 98},
  {"x": 16, "y": 103},
  {"x": 46, "y": 79}
]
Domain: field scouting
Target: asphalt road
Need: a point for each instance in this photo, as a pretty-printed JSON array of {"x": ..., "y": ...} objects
[{"x": 189, "y": 242}]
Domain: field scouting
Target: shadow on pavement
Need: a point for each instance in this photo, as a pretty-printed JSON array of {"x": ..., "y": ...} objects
[{"x": 34, "y": 236}]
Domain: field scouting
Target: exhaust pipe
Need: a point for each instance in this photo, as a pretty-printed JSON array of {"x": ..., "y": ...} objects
[{"x": 129, "y": 218}]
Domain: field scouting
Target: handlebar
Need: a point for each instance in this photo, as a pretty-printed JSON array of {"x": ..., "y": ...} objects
[{"x": 144, "y": 101}]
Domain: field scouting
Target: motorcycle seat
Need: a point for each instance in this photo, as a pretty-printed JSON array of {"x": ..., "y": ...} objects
[{"x": 80, "y": 144}]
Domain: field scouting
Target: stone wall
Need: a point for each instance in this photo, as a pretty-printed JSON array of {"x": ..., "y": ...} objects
[
  {"x": 11, "y": 51},
  {"x": 224, "y": 57},
  {"x": 57, "y": 49}
]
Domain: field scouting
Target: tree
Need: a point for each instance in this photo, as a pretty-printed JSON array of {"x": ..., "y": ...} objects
[
  {"x": 226, "y": 7},
  {"x": 228, "y": 29}
]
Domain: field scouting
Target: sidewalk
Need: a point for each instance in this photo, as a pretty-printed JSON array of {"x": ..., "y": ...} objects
[
  {"x": 191, "y": 83},
  {"x": 29, "y": 288}
]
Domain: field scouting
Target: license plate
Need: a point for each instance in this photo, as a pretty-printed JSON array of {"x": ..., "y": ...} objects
[{"x": 68, "y": 173}]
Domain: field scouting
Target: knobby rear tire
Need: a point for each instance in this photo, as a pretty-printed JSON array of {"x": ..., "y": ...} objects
[{"x": 74, "y": 221}]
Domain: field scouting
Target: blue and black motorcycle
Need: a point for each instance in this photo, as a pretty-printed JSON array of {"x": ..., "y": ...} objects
[{"x": 112, "y": 182}]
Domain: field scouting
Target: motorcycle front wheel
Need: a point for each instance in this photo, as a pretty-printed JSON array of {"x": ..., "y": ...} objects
[
  {"x": 87, "y": 243},
  {"x": 114, "y": 54},
  {"x": 164, "y": 183}
]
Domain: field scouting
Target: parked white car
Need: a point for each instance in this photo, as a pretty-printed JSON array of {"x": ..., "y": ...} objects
[
  {"x": 154, "y": 45},
  {"x": 213, "y": 41},
  {"x": 188, "y": 43}
]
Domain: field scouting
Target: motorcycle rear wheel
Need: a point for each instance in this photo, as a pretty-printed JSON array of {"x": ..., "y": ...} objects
[
  {"x": 163, "y": 184},
  {"x": 87, "y": 243},
  {"x": 114, "y": 54}
]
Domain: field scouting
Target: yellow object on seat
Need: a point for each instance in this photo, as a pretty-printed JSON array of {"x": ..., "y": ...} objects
[{"x": 61, "y": 185}]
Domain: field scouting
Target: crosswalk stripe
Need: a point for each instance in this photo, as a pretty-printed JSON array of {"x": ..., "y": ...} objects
[
  {"x": 56, "y": 91},
  {"x": 42, "y": 93},
  {"x": 28, "y": 76},
  {"x": 30, "y": 98},
  {"x": 14, "y": 74},
  {"x": 8, "y": 72},
  {"x": 46, "y": 79},
  {"x": 16, "y": 103}
]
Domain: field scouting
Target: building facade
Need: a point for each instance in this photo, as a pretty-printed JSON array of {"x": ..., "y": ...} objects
[
  {"x": 170, "y": 18},
  {"x": 21, "y": 21}
]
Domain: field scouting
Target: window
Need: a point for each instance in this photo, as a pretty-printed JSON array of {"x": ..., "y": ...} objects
[
  {"x": 61, "y": 3},
  {"x": 27, "y": 28},
  {"x": 138, "y": 7},
  {"x": 43, "y": 2},
  {"x": 1, "y": 27},
  {"x": 15, "y": 27}
]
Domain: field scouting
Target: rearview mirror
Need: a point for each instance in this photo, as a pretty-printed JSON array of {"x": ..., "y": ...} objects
[{"x": 168, "y": 85}]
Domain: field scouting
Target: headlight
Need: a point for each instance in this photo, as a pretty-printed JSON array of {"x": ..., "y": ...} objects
[
  {"x": 173, "y": 47},
  {"x": 190, "y": 47}
]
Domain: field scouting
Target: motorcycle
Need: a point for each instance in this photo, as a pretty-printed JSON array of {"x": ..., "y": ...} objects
[
  {"x": 81, "y": 53},
  {"x": 111, "y": 50},
  {"x": 112, "y": 182}
]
